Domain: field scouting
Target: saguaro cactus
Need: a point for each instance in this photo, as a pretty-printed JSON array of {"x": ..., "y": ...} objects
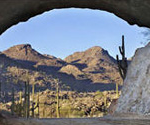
[
  {"x": 44, "y": 109},
  {"x": 117, "y": 90},
  {"x": 122, "y": 64},
  {"x": 27, "y": 100},
  {"x": 13, "y": 102},
  {"x": 33, "y": 89},
  {"x": 0, "y": 89},
  {"x": 105, "y": 100},
  {"x": 20, "y": 104},
  {"x": 32, "y": 109},
  {"x": 20, "y": 97},
  {"x": 34, "y": 104},
  {"x": 57, "y": 82},
  {"x": 57, "y": 98},
  {"x": 38, "y": 105}
]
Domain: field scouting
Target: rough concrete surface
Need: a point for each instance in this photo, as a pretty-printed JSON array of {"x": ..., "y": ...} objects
[
  {"x": 80, "y": 121},
  {"x": 15, "y": 11}
]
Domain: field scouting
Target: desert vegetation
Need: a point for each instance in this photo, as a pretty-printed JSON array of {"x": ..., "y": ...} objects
[
  {"x": 58, "y": 100},
  {"x": 42, "y": 86},
  {"x": 65, "y": 104}
]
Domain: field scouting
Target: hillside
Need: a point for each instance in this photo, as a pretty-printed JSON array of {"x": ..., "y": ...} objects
[
  {"x": 87, "y": 80},
  {"x": 96, "y": 64},
  {"x": 93, "y": 53},
  {"x": 79, "y": 71},
  {"x": 26, "y": 53}
]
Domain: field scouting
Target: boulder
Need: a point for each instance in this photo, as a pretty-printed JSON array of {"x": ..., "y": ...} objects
[{"x": 135, "y": 97}]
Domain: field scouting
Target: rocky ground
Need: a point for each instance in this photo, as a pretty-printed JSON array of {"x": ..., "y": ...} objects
[
  {"x": 111, "y": 120},
  {"x": 71, "y": 104}
]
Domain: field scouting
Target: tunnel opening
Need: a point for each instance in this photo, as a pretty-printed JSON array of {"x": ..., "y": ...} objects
[{"x": 29, "y": 60}]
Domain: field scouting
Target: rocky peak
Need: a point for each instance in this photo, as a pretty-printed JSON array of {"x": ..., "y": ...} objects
[
  {"x": 95, "y": 54},
  {"x": 24, "y": 52},
  {"x": 95, "y": 49},
  {"x": 26, "y": 46},
  {"x": 95, "y": 62},
  {"x": 21, "y": 47}
]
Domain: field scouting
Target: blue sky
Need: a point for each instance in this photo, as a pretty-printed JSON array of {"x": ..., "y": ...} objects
[{"x": 62, "y": 32}]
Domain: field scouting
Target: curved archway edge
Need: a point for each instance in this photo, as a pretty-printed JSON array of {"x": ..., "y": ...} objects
[{"x": 15, "y": 11}]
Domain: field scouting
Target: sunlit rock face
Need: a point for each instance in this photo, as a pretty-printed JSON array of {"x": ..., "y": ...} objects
[{"x": 135, "y": 97}]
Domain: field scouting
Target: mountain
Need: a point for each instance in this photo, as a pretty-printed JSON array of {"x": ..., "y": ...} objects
[
  {"x": 94, "y": 54},
  {"x": 71, "y": 69},
  {"x": 96, "y": 64},
  {"x": 90, "y": 70},
  {"x": 25, "y": 53}
]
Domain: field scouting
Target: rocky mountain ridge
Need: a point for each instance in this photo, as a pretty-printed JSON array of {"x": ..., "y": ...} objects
[
  {"x": 90, "y": 70},
  {"x": 97, "y": 64}
]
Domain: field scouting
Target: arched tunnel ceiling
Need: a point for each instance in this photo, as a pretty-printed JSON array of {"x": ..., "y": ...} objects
[{"x": 15, "y": 11}]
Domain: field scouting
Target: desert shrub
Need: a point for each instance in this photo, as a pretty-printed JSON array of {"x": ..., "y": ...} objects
[
  {"x": 98, "y": 94},
  {"x": 77, "y": 113}
]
